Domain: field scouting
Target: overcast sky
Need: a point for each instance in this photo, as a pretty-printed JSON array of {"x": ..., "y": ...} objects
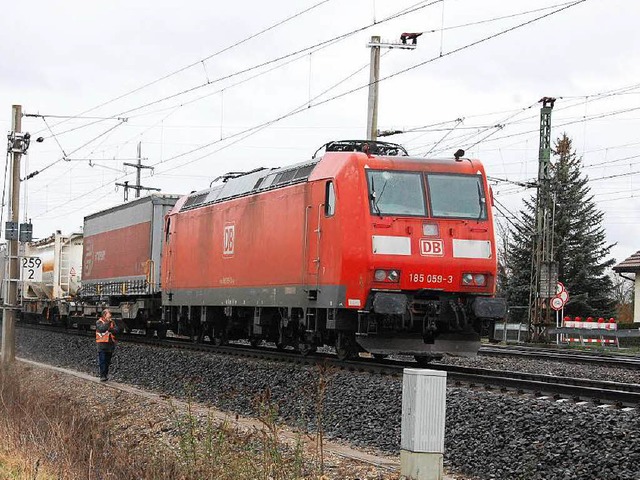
[{"x": 66, "y": 58}]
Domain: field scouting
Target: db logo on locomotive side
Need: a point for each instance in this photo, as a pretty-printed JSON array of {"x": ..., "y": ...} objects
[
  {"x": 229, "y": 239},
  {"x": 434, "y": 248}
]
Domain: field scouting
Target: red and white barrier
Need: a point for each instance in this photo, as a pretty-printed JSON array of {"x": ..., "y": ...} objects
[{"x": 591, "y": 328}]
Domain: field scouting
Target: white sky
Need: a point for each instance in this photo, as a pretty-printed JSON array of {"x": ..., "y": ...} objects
[{"x": 64, "y": 58}]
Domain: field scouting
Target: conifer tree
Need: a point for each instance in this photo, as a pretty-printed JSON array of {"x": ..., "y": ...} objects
[{"x": 579, "y": 242}]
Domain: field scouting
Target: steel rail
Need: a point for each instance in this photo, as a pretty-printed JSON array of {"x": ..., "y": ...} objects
[{"x": 611, "y": 360}]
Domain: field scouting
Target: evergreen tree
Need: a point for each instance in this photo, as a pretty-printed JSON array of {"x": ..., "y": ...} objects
[{"x": 579, "y": 242}]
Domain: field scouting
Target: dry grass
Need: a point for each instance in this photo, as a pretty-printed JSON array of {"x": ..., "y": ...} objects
[{"x": 59, "y": 436}]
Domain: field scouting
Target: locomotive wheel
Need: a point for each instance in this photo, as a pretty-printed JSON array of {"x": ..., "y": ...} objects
[
  {"x": 198, "y": 335},
  {"x": 423, "y": 360},
  {"x": 161, "y": 332},
  {"x": 306, "y": 349},
  {"x": 219, "y": 339},
  {"x": 345, "y": 347},
  {"x": 254, "y": 342}
]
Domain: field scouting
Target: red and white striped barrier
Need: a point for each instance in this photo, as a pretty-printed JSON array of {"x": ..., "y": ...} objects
[{"x": 591, "y": 328}]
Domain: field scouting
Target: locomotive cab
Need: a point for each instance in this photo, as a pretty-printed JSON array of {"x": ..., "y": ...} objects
[{"x": 425, "y": 283}]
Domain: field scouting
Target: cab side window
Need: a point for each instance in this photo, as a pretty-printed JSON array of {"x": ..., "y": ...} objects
[
  {"x": 167, "y": 230},
  {"x": 329, "y": 200}
]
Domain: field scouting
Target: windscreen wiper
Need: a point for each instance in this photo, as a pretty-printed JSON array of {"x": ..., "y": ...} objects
[
  {"x": 377, "y": 200},
  {"x": 372, "y": 197},
  {"x": 480, "y": 201}
]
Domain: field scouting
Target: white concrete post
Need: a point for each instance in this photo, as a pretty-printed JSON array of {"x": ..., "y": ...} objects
[{"x": 424, "y": 395}]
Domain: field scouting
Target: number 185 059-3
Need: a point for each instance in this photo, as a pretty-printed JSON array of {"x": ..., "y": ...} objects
[{"x": 430, "y": 278}]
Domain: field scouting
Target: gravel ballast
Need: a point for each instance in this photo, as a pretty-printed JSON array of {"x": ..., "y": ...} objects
[{"x": 489, "y": 435}]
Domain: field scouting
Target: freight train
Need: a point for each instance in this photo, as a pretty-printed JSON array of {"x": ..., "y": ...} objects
[{"x": 362, "y": 247}]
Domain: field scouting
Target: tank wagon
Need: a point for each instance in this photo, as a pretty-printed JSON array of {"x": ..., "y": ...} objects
[
  {"x": 364, "y": 248},
  {"x": 121, "y": 263},
  {"x": 51, "y": 299}
]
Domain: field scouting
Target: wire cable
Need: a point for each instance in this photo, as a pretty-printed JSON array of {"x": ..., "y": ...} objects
[
  {"x": 182, "y": 69},
  {"x": 335, "y": 97},
  {"x": 268, "y": 62},
  {"x": 348, "y": 92}
]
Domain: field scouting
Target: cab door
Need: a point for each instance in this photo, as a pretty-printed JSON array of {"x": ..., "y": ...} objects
[{"x": 319, "y": 212}]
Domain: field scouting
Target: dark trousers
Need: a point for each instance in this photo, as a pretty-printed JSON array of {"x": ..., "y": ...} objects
[{"x": 104, "y": 360}]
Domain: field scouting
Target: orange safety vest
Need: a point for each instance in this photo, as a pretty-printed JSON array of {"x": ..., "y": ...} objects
[{"x": 106, "y": 337}]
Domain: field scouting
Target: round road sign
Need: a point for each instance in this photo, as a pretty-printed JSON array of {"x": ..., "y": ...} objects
[
  {"x": 560, "y": 288},
  {"x": 557, "y": 303}
]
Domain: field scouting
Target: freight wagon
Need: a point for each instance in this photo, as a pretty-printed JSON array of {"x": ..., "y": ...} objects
[
  {"x": 121, "y": 263},
  {"x": 51, "y": 298}
]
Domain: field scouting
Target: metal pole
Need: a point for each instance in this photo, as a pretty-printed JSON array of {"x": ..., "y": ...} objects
[
  {"x": 11, "y": 305},
  {"x": 541, "y": 264},
  {"x": 138, "y": 169},
  {"x": 374, "y": 75}
]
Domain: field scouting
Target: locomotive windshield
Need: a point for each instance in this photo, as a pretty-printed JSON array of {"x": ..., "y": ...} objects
[
  {"x": 457, "y": 196},
  {"x": 396, "y": 193}
]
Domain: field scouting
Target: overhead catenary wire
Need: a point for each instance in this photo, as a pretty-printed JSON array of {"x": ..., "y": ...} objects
[
  {"x": 218, "y": 52},
  {"x": 594, "y": 96},
  {"x": 304, "y": 50},
  {"x": 64, "y": 158},
  {"x": 508, "y": 216},
  {"x": 348, "y": 92},
  {"x": 248, "y": 133},
  {"x": 493, "y": 19},
  {"x": 343, "y": 94}
]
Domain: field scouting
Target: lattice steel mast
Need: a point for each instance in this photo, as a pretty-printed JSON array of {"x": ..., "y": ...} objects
[{"x": 544, "y": 270}]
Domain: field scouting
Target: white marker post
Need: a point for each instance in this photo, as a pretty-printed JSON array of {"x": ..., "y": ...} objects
[{"x": 424, "y": 394}]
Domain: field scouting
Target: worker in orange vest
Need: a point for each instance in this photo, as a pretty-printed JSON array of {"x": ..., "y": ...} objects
[{"x": 106, "y": 329}]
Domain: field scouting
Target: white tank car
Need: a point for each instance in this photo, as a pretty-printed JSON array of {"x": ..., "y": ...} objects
[{"x": 61, "y": 257}]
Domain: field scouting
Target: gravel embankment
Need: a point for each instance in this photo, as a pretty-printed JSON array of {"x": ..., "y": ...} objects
[{"x": 488, "y": 435}]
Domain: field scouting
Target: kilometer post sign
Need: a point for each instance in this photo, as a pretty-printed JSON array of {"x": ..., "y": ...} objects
[{"x": 31, "y": 269}]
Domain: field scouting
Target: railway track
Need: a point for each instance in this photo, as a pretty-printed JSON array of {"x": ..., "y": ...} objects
[
  {"x": 570, "y": 388},
  {"x": 568, "y": 356}
]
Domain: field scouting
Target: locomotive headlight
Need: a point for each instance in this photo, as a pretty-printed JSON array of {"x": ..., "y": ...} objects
[
  {"x": 394, "y": 276},
  {"x": 479, "y": 279},
  {"x": 380, "y": 275},
  {"x": 389, "y": 276},
  {"x": 467, "y": 278}
]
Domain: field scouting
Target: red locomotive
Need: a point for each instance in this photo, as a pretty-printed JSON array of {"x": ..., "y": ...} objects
[{"x": 364, "y": 248}]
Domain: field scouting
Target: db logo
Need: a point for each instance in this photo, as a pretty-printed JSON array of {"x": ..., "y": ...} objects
[
  {"x": 431, "y": 247},
  {"x": 229, "y": 239}
]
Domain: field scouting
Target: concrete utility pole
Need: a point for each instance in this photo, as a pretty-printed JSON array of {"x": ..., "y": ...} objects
[
  {"x": 374, "y": 77},
  {"x": 17, "y": 145},
  {"x": 544, "y": 271},
  {"x": 137, "y": 187}
]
